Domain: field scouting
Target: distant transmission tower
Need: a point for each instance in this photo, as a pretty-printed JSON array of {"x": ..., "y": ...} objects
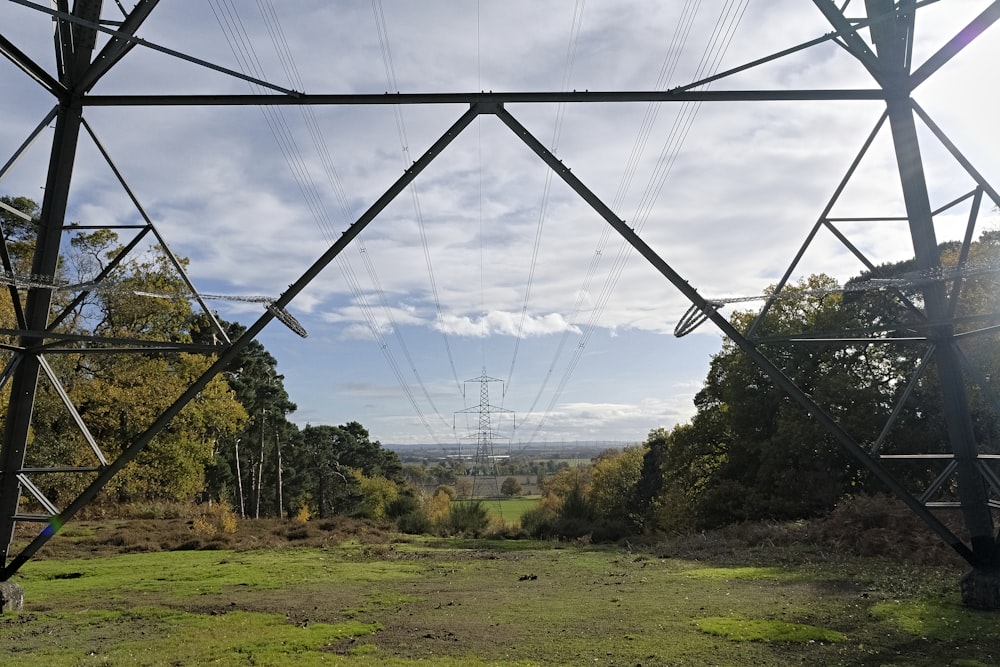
[{"x": 484, "y": 463}]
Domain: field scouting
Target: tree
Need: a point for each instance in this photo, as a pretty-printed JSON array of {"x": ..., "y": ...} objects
[
  {"x": 510, "y": 487},
  {"x": 650, "y": 485},
  {"x": 262, "y": 443},
  {"x": 327, "y": 467},
  {"x": 19, "y": 231},
  {"x": 750, "y": 452},
  {"x": 116, "y": 394},
  {"x": 614, "y": 477},
  {"x": 378, "y": 494}
]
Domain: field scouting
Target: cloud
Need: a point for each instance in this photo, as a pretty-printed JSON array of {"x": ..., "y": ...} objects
[
  {"x": 583, "y": 420},
  {"x": 504, "y": 323},
  {"x": 486, "y": 233}
]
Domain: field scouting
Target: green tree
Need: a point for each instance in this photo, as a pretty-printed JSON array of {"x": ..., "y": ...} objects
[
  {"x": 118, "y": 395},
  {"x": 322, "y": 469},
  {"x": 614, "y": 478},
  {"x": 267, "y": 436},
  {"x": 750, "y": 452},
  {"x": 510, "y": 487},
  {"x": 19, "y": 231},
  {"x": 378, "y": 494}
]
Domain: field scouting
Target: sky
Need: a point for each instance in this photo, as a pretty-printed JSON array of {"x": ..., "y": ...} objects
[{"x": 486, "y": 265}]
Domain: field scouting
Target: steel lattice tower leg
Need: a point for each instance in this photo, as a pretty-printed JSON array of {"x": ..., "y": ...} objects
[
  {"x": 74, "y": 49},
  {"x": 891, "y": 32}
]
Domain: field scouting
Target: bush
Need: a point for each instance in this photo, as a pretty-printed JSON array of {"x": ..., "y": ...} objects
[
  {"x": 871, "y": 525},
  {"x": 406, "y": 503},
  {"x": 215, "y": 520},
  {"x": 467, "y": 518},
  {"x": 298, "y": 533},
  {"x": 538, "y": 522},
  {"x": 414, "y": 523},
  {"x": 543, "y": 524}
]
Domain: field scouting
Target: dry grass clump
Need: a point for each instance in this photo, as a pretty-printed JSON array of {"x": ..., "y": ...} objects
[
  {"x": 208, "y": 528},
  {"x": 866, "y": 526},
  {"x": 884, "y": 526}
]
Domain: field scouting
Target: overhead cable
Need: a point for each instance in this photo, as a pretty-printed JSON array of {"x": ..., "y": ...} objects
[
  {"x": 242, "y": 45},
  {"x": 715, "y": 49}
]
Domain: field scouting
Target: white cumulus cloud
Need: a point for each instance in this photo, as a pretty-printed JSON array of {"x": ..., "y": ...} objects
[{"x": 505, "y": 324}]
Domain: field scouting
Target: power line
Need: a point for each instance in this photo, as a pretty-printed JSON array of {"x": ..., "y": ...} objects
[
  {"x": 242, "y": 45},
  {"x": 715, "y": 49},
  {"x": 576, "y": 27},
  {"x": 390, "y": 73}
]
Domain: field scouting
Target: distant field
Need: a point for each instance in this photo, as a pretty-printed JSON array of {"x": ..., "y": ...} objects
[
  {"x": 511, "y": 509},
  {"x": 381, "y": 599},
  {"x": 574, "y": 463}
]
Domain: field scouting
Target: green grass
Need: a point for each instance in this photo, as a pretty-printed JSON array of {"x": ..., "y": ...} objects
[
  {"x": 158, "y": 636},
  {"x": 187, "y": 574},
  {"x": 474, "y": 602},
  {"x": 741, "y": 573},
  {"x": 754, "y": 630},
  {"x": 511, "y": 509},
  {"x": 939, "y": 619}
]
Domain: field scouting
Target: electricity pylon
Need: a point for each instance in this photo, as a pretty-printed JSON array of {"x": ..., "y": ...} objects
[
  {"x": 881, "y": 42},
  {"x": 485, "y": 460}
]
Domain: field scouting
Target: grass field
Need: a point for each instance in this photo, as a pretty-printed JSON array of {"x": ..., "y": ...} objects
[
  {"x": 379, "y": 599},
  {"x": 511, "y": 509}
]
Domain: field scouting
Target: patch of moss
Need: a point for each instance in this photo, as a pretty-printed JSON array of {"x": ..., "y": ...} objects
[
  {"x": 759, "y": 630},
  {"x": 937, "y": 619}
]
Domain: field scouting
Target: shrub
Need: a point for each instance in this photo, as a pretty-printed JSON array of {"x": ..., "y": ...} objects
[
  {"x": 406, "y": 503},
  {"x": 414, "y": 523},
  {"x": 203, "y": 526},
  {"x": 300, "y": 533},
  {"x": 378, "y": 494},
  {"x": 218, "y": 518},
  {"x": 871, "y": 525},
  {"x": 437, "y": 508},
  {"x": 538, "y": 522},
  {"x": 467, "y": 518},
  {"x": 227, "y": 522},
  {"x": 572, "y": 522}
]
